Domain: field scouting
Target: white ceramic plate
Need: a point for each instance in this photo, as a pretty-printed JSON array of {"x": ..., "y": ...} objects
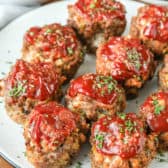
[
  {"x": 11, "y": 139},
  {"x": 159, "y": 2}
]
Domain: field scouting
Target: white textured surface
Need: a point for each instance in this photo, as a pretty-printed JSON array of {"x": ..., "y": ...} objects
[{"x": 11, "y": 139}]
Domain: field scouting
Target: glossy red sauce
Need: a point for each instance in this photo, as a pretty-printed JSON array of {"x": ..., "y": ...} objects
[
  {"x": 38, "y": 80},
  {"x": 156, "y": 21},
  {"x": 157, "y": 121},
  {"x": 32, "y": 34},
  {"x": 88, "y": 85},
  {"x": 56, "y": 40},
  {"x": 118, "y": 50},
  {"x": 51, "y": 122},
  {"x": 118, "y": 138},
  {"x": 99, "y": 10}
]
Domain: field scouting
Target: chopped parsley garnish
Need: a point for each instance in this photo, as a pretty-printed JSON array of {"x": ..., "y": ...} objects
[
  {"x": 100, "y": 139},
  {"x": 48, "y": 31},
  {"x": 121, "y": 115},
  {"x": 79, "y": 164},
  {"x": 81, "y": 54},
  {"x": 113, "y": 8},
  {"x": 70, "y": 50},
  {"x": 93, "y": 4},
  {"x": 129, "y": 125},
  {"x": 134, "y": 57},
  {"x": 18, "y": 90},
  {"x": 106, "y": 83},
  {"x": 157, "y": 107}
]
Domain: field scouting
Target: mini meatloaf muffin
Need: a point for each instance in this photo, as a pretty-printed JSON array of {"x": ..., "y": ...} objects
[
  {"x": 127, "y": 61},
  {"x": 28, "y": 84},
  {"x": 163, "y": 74},
  {"x": 54, "y": 43},
  {"x": 154, "y": 111},
  {"x": 96, "y": 21},
  {"x": 151, "y": 26},
  {"x": 121, "y": 142},
  {"x": 93, "y": 96},
  {"x": 51, "y": 136}
]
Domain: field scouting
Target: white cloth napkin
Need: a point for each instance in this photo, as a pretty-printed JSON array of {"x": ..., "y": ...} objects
[
  {"x": 9, "y": 12},
  {"x": 10, "y": 9}
]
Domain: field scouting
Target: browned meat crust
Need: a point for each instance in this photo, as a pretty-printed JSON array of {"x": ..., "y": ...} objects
[
  {"x": 23, "y": 91},
  {"x": 91, "y": 108},
  {"x": 141, "y": 160},
  {"x": 51, "y": 137}
]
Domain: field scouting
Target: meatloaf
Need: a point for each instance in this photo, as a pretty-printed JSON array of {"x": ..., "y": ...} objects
[
  {"x": 93, "y": 96},
  {"x": 154, "y": 112},
  {"x": 51, "y": 136},
  {"x": 121, "y": 142},
  {"x": 28, "y": 84},
  {"x": 95, "y": 21},
  {"x": 127, "y": 61},
  {"x": 150, "y": 25},
  {"x": 54, "y": 43}
]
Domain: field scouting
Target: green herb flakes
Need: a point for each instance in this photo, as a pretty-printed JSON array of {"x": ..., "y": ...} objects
[
  {"x": 48, "y": 31},
  {"x": 134, "y": 57},
  {"x": 99, "y": 138},
  {"x": 129, "y": 125},
  {"x": 92, "y": 5},
  {"x": 79, "y": 164},
  {"x": 157, "y": 107},
  {"x": 106, "y": 84},
  {"x": 121, "y": 115},
  {"x": 17, "y": 90},
  {"x": 70, "y": 51}
]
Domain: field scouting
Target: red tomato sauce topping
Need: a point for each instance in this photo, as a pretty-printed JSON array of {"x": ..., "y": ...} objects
[
  {"x": 156, "y": 21},
  {"x": 101, "y": 88},
  {"x": 51, "y": 122},
  {"x": 36, "y": 81},
  {"x": 54, "y": 39},
  {"x": 155, "y": 109},
  {"x": 128, "y": 57},
  {"x": 99, "y": 10},
  {"x": 121, "y": 135}
]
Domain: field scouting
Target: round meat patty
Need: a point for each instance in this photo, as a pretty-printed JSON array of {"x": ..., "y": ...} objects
[
  {"x": 127, "y": 61},
  {"x": 96, "y": 21},
  {"x": 54, "y": 43},
  {"x": 51, "y": 136},
  {"x": 154, "y": 111},
  {"x": 93, "y": 96},
  {"x": 28, "y": 84},
  {"x": 121, "y": 142},
  {"x": 151, "y": 26}
]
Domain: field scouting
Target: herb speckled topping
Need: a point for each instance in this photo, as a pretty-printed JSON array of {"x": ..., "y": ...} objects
[
  {"x": 155, "y": 111},
  {"x": 101, "y": 88},
  {"x": 121, "y": 135},
  {"x": 100, "y": 10}
]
